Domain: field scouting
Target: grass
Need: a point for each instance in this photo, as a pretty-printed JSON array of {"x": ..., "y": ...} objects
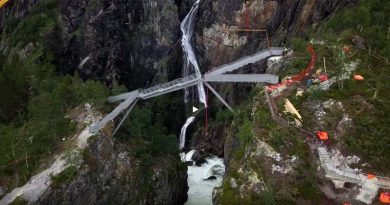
[
  {"x": 19, "y": 201},
  {"x": 66, "y": 175}
]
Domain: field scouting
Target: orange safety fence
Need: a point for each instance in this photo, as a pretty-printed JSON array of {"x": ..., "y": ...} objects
[
  {"x": 309, "y": 67},
  {"x": 299, "y": 76},
  {"x": 370, "y": 176}
]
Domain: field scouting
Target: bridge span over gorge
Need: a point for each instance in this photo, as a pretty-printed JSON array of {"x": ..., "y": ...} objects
[{"x": 218, "y": 75}]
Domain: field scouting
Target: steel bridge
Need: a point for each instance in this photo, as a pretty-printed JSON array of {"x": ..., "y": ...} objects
[{"x": 216, "y": 75}]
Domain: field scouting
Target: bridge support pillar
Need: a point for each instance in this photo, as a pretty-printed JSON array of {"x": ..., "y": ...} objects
[
  {"x": 124, "y": 117},
  {"x": 218, "y": 96}
]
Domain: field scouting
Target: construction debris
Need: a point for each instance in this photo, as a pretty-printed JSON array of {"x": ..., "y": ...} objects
[
  {"x": 358, "y": 77},
  {"x": 299, "y": 92},
  {"x": 289, "y": 107}
]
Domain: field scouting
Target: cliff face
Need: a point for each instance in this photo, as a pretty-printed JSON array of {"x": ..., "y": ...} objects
[
  {"x": 132, "y": 41},
  {"x": 281, "y": 19},
  {"x": 113, "y": 174},
  {"x": 216, "y": 45},
  {"x": 135, "y": 43}
]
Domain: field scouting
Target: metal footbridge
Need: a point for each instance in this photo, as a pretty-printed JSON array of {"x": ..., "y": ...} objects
[
  {"x": 216, "y": 75},
  {"x": 370, "y": 184}
]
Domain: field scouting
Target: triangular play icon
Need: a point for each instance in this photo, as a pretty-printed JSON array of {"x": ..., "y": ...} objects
[{"x": 194, "y": 109}]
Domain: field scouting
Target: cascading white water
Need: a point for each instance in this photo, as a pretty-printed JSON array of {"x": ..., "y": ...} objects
[
  {"x": 184, "y": 130},
  {"x": 200, "y": 187},
  {"x": 190, "y": 65},
  {"x": 187, "y": 29}
]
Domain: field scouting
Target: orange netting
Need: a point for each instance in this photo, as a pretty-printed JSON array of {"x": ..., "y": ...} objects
[{"x": 299, "y": 76}]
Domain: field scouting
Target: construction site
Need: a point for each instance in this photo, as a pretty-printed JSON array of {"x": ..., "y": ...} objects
[
  {"x": 208, "y": 103},
  {"x": 314, "y": 78}
]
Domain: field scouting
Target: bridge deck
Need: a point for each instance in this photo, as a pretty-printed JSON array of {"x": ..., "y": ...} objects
[
  {"x": 247, "y": 60},
  {"x": 170, "y": 86},
  {"x": 249, "y": 78},
  {"x": 132, "y": 96},
  {"x": 191, "y": 80},
  {"x": 346, "y": 175}
]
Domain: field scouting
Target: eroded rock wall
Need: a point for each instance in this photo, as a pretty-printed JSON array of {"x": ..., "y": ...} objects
[
  {"x": 280, "y": 18},
  {"x": 113, "y": 174}
]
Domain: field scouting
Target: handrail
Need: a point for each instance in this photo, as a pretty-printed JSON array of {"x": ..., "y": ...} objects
[
  {"x": 275, "y": 49},
  {"x": 168, "y": 84}
]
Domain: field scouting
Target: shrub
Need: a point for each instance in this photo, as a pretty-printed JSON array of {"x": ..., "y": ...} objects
[
  {"x": 245, "y": 132},
  {"x": 19, "y": 201},
  {"x": 66, "y": 175}
]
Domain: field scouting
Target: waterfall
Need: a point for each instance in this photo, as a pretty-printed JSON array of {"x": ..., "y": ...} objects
[
  {"x": 190, "y": 64},
  {"x": 184, "y": 130},
  {"x": 187, "y": 29}
]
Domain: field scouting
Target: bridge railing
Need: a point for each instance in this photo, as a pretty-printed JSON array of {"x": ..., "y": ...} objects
[
  {"x": 271, "y": 51},
  {"x": 180, "y": 82}
]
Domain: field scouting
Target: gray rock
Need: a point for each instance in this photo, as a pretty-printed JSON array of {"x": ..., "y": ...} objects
[
  {"x": 2, "y": 191},
  {"x": 233, "y": 183},
  {"x": 211, "y": 178},
  {"x": 199, "y": 157},
  {"x": 113, "y": 174}
]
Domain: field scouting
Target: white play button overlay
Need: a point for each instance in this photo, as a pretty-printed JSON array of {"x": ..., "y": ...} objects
[{"x": 194, "y": 109}]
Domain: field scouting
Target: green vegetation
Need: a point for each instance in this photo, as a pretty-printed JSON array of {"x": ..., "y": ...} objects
[
  {"x": 65, "y": 176},
  {"x": 301, "y": 184},
  {"x": 35, "y": 99},
  {"x": 152, "y": 126},
  {"x": 32, "y": 28},
  {"x": 366, "y": 26},
  {"x": 245, "y": 132},
  {"x": 19, "y": 201}
]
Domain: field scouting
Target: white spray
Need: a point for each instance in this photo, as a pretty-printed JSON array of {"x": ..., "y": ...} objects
[
  {"x": 190, "y": 63},
  {"x": 184, "y": 130}
]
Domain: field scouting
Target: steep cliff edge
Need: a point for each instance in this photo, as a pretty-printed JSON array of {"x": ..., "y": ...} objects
[
  {"x": 113, "y": 173},
  {"x": 42, "y": 44},
  {"x": 133, "y": 43},
  {"x": 281, "y": 19}
]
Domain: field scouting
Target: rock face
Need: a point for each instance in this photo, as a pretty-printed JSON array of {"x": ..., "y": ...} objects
[
  {"x": 133, "y": 42},
  {"x": 281, "y": 19},
  {"x": 129, "y": 41},
  {"x": 112, "y": 174},
  {"x": 217, "y": 46}
]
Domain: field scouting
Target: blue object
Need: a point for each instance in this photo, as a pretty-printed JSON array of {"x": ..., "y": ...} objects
[{"x": 309, "y": 82}]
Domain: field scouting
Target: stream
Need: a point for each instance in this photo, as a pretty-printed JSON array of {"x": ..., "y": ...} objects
[{"x": 200, "y": 186}]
